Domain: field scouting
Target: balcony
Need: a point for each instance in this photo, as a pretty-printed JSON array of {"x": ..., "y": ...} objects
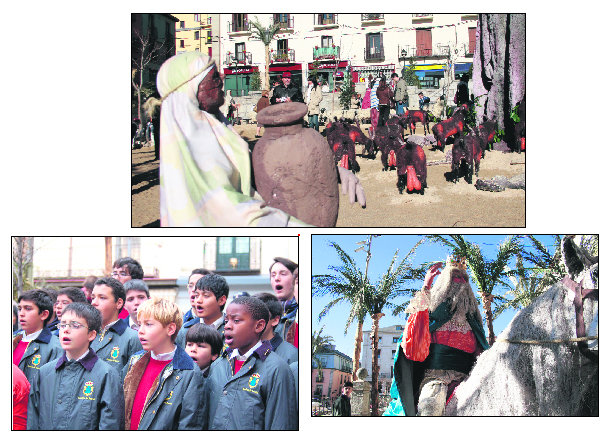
[
  {"x": 283, "y": 56},
  {"x": 406, "y": 52},
  {"x": 320, "y": 53},
  {"x": 375, "y": 54},
  {"x": 469, "y": 50},
  {"x": 241, "y": 58},
  {"x": 325, "y": 21},
  {"x": 238, "y": 29},
  {"x": 421, "y": 18},
  {"x": 285, "y": 25},
  {"x": 369, "y": 19}
]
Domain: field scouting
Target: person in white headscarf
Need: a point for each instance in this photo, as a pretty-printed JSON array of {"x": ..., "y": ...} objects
[{"x": 205, "y": 169}]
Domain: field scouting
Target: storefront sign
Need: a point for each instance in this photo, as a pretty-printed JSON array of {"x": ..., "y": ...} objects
[
  {"x": 329, "y": 65},
  {"x": 240, "y": 70}
]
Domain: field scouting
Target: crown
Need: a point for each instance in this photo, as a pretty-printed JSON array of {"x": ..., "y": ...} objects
[{"x": 456, "y": 262}]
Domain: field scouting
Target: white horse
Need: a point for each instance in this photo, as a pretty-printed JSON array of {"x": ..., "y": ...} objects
[{"x": 535, "y": 368}]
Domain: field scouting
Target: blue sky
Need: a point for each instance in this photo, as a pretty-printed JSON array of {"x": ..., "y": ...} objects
[{"x": 382, "y": 251}]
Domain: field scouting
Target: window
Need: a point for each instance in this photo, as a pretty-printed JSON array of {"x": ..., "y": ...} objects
[
  {"x": 282, "y": 47},
  {"x": 182, "y": 24},
  {"x": 182, "y": 43},
  {"x": 399, "y": 328},
  {"x": 379, "y": 353},
  {"x": 472, "y": 40},
  {"x": 197, "y": 35},
  {"x": 325, "y": 19},
  {"x": 326, "y": 41},
  {"x": 239, "y": 22},
  {"x": 394, "y": 340},
  {"x": 379, "y": 339},
  {"x": 281, "y": 19},
  {"x": 197, "y": 17},
  {"x": 239, "y": 52},
  {"x": 210, "y": 51},
  {"x": 232, "y": 254},
  {"x": 375, "y": 47},
  {"x": 423, "y": 39},
  {"x": 393, "y": 353}
]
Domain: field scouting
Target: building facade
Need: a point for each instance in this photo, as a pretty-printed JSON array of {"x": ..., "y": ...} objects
[
  {"x": 166, "y": 261},
  {"x": 336, "y": 370},
  {"x": 197, "y": 32},
  {"x": 441, "y": 46},
  {"x": 387, "y": 344},
  {"x": 152, "y": 36}
]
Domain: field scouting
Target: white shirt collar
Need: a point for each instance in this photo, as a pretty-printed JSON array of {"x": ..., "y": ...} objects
[
  {"x": 31, "y": 337},
  {"x": 82, "y": 356},
  {"x": 110, "y": 324},
  {"x": 235, "y": 354},
  {"x": 216, "y": 323},
  {"x": 164, "y": 356}
]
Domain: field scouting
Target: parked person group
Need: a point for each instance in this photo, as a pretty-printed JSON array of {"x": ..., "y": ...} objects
[{"x": 234, "y": 367}]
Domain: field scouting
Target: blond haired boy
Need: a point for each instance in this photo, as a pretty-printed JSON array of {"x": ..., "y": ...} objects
[{"x": 162, "y": 384}]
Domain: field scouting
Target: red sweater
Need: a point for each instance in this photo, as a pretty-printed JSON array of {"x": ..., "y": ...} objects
[
  {"x": 20, "y": 398},
  {"x": 19, "y": 351},
  {"x": 153, "y": 370}
]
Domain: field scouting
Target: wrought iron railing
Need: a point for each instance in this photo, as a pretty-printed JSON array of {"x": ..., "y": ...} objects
[
  {"x": 243, "y": 58},
  {"x": 326, "y": 53},
  {"x": 375, "y": 53},
  {"x": 288, "y": 55},
  {"x": 238, "y": 27},
  {"x": 372, "y": 17}
]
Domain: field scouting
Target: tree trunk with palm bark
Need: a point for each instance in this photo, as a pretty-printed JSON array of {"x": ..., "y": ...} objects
[
  {"x": 358, "y": 343},
  {"x": 375, "y": 369}
]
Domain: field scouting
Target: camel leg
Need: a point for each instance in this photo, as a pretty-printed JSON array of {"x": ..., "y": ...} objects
[{"x": 432, "y": 399}]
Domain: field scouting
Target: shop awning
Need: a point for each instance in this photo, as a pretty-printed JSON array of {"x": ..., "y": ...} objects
[
  {"x": 276, "y": 69},
  {"x": 462, "y": 68}
]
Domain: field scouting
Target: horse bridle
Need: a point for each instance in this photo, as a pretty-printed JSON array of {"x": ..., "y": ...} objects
[{"x": 580, "y": 295}]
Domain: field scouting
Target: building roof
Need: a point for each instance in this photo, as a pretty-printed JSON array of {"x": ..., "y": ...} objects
[{"x": 389, "y": 329}]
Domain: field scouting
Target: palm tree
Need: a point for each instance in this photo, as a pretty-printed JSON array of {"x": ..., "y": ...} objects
[
  {"x": 545, "y": 268},
  {"x": 348, "y": 285},
  {"x": 319, "y": 344},
  {"x": 266, "y": 35},
  {"x": 486, "y": 273},
  {"x": 389, "y": 287}
]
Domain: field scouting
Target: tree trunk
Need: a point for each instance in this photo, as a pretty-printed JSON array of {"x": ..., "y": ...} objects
[
  {"x": 267, "y": 84},
  {"x": 375, "y": 369},
  {"x": 499, "y": 69},
  {"x": 486, "y": 303},
  {"x": 358, "y": 341}
]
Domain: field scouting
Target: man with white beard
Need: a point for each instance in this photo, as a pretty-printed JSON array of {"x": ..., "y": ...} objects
[{"x": 445, "y": 318}]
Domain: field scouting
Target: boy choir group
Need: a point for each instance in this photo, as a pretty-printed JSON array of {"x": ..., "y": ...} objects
[{"x": 148, "y": 367}]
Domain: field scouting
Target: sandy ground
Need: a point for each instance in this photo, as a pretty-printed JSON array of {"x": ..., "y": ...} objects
[{"x": 444, "y": 204}]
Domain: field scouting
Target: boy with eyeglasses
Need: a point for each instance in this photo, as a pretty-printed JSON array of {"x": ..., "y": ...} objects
[
  {"x": 65, "y": 297},
  {"x": 34, "y": 345},
  {"x": 126, "y": 269},
  {"x": 116, "y": 342},
  {"x": 77, "y": 391}
]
